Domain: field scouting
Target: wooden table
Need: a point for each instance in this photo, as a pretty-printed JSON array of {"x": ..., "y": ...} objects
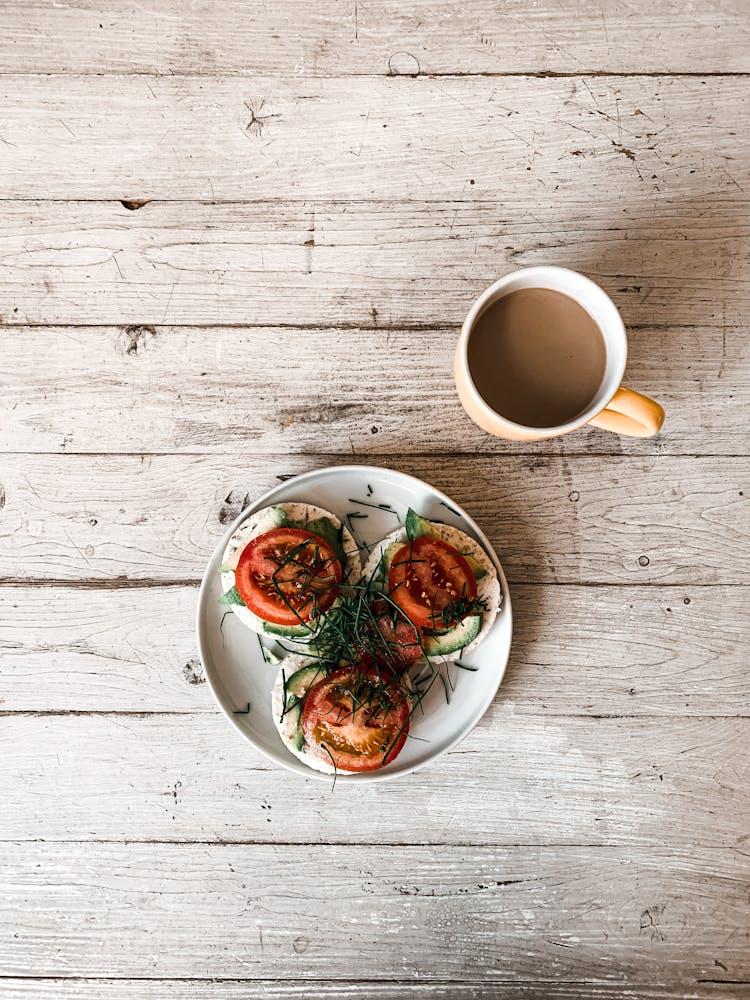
[{"x": 237, "y": 242}]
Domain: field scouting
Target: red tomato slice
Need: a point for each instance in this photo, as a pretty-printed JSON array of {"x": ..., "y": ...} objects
[
  {"x": 387, "y": 640},
  {"x": 288, "y": 575},
  {"x": 404, "y": 640},
  {"x": 400, "y": 642},
  {"x": 354, "y": 720},
  {"x": 427, "y": 576}
]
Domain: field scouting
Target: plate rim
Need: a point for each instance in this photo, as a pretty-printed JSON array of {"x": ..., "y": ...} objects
[{"x": 382, "y": 774}]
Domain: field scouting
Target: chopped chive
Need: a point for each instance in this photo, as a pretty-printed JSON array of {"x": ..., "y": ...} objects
[
  {"x": 369, "y": 490},
  {"x": 335, "y": 769},
  {"x": 375, "y": 506},
  {"x": 283, "y": 707},
  {"x": 465, "y": 666},
  {"x": 451, "y": 509},
  {"x": 242, "y": 711},
  {"x": 447, "y": 694}
]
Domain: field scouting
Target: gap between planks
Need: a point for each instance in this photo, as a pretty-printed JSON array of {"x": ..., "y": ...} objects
[
  {"x": 332, "y": 842},
  {"x": 376, "y": 455},
  {"x": 421, "y": 75},
  {"x": 613, "y": 988}
]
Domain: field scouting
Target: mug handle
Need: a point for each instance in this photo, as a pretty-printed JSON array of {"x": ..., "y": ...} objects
[{"x": 631, "y": 413}]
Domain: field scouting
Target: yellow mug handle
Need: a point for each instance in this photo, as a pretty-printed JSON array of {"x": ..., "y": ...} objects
[{"x": 631, "y": 413}]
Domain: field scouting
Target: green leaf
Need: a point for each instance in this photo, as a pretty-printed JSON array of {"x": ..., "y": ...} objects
[{"x": 231, "y": 597}]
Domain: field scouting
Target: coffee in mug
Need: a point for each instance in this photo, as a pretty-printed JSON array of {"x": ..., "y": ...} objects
[{"x": 543, "y": 352}]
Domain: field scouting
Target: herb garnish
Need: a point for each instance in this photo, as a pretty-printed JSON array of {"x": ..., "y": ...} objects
[
  {"x": 242, "y": 711},
  {"x": 333, "y": 762},
  {"x": 462, "y": 607},
  {"x": 451, "y": 509},
  {"x": 360, "y": 625},
  {"x": 375, "y": 506}
]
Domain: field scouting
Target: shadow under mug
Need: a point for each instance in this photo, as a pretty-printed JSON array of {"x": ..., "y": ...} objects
[{"x": 613, "y": 408}]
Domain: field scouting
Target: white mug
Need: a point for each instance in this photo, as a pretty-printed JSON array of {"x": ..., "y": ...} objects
[{"x": 613, "y": 408}]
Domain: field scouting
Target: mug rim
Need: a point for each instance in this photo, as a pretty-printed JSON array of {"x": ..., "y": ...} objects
[{"x": 529, "y": 274}]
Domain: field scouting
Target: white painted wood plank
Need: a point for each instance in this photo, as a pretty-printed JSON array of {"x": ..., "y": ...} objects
[
  {"x": 577, "y": 650},
  {"x": 666, "y": 261},
  {"x": 328, "y": 38},
  {"x": 683, "y": 521},
  {"x": 618, "y": 917},
  {"x": 101, "y": 650},
  {"x": 621, "y": 140},
  {"x": 517, "y": 779},
  {"x": 247, "y": 989},
  {"x": 272, "y": 390}
]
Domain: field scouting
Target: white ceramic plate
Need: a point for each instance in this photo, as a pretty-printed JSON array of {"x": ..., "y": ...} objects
[{"x": 239, "y": 676}]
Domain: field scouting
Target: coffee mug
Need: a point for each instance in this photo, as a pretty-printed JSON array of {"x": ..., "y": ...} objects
[{"x": 612, "y": 408}]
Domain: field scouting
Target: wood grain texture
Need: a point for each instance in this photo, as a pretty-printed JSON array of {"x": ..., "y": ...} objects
[
  {"x": 621, "y": 140},
  {"x": 248, "y": 989},
  {"x": 610, "y": 916},
  {"x": 665, "y": 261},
  {"x": 237, "y": 240},
  {"x": 275, "y": 390},
  {"x": 649, "y": 651},
  {"x": 554, "y": 780},
  {"x": 609, "y": 520},
  {"x": 328, "y": 38}
]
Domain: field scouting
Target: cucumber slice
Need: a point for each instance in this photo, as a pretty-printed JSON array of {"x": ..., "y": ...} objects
[
  {"x": 288, "y": 631},
  {"x": 297, "y": 687},
  {"x": 380, "y": 576},
  {"x": 273, "y": 517},
  {"x": 478, "y": 570},
  {"x": 303, "y": 679},
  {"x": 270, "y": 657},
  {"x": 294, "y": 714},
  {"x": 416, "y": 526},
  {"x": 455, "y": 639}
]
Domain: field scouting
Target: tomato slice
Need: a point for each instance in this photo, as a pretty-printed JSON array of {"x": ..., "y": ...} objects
[
  {"x": 398, "y": 643},
  {"x": 288, "y": 575},
  {"x": 355, "y": 720},
  {"x": 386, "y": 640},
  {"x": 432, "y": 583}
]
